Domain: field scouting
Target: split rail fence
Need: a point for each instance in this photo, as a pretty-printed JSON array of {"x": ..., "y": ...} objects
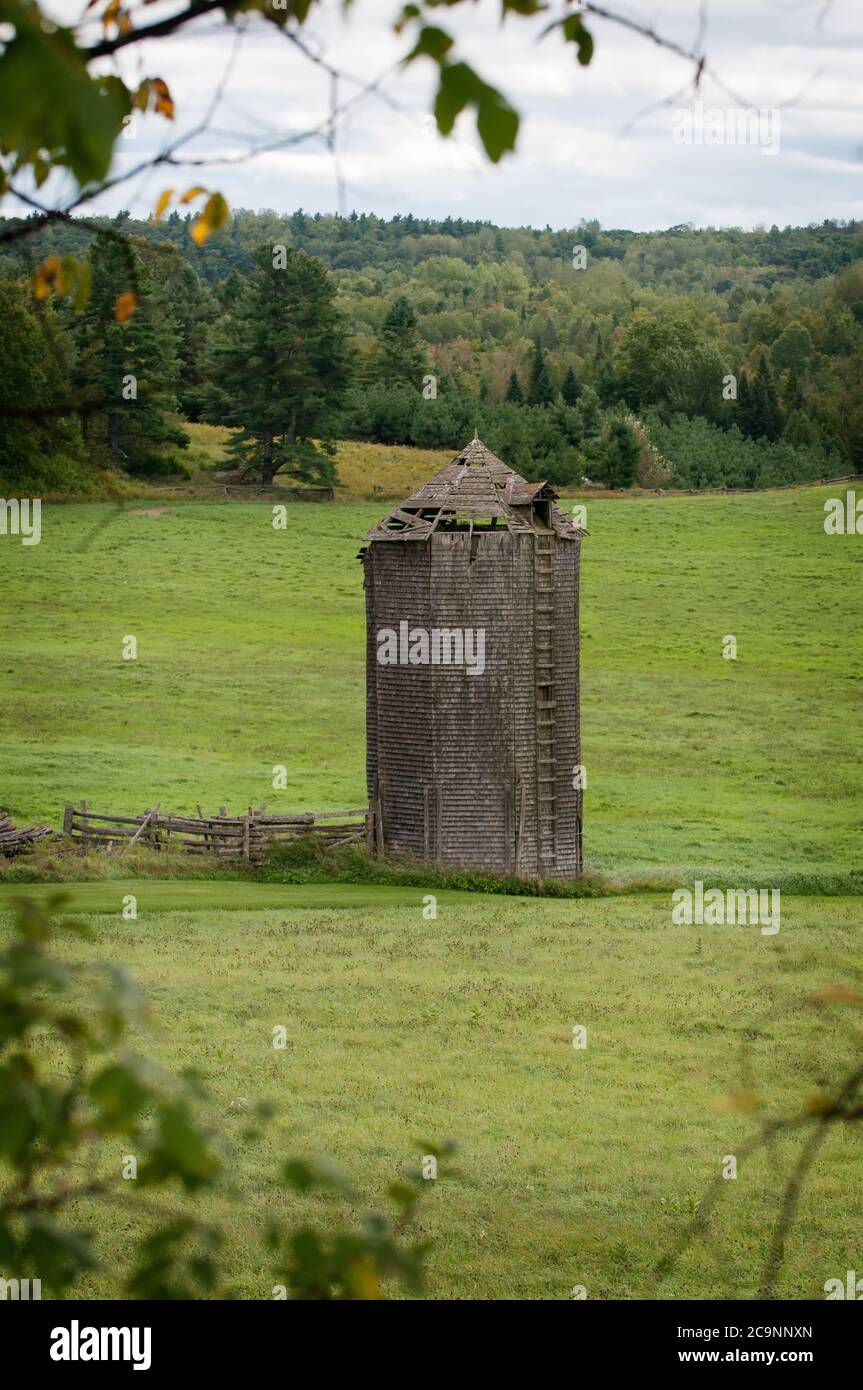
[{"x": 229, "y": 837}]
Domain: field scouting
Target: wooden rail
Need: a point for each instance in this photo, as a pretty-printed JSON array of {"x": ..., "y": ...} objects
[
  {"x": 228, "y": 837},
  {"x": 14, "y": 838}
]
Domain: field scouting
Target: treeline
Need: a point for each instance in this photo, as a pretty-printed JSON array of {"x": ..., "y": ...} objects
[{"x": 688, "y": 358}]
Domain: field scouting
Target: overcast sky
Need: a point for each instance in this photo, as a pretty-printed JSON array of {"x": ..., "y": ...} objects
[{"x": 590, "y": 144}]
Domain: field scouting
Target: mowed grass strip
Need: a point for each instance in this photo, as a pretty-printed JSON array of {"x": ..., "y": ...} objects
[
  {"x": 223, "y": 895},
  {"x": 251, "y": 655},
  {"x": 576, "y": 1167}
]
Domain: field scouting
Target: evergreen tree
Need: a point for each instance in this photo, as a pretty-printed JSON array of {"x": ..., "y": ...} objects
[
  {"x": 792, "y": 392},
  {"x": 620, "y": 456},
  {"x": 402, "y": 358},
  {"x": 771, "y": 411},
  {"x": 128, "y": 370},
  {"x": 540, "y": 391},
  {"x": 605, "y": 379},
  {"x": 570, "y": 390},
  {"x": 765, "y": 413},
  {"x": 41, "y": 446},
  {"x": 743, "y": 406},
  {"x": 279, "y": 368},
  {"x": 513, "y": 389},
  {"x": 193, "y": 309},
  {"x": 588, "y": 415}
]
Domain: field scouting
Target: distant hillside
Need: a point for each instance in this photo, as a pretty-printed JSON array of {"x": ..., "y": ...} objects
[{"x": 740, "y": 354}]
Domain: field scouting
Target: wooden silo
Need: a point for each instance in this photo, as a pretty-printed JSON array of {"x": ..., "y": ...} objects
[{"x": 473, "y": 742}]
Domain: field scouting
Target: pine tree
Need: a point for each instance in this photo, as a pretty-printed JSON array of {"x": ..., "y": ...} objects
[
  {"x": 570, "y": 390},
  {"x": 620, "y": 456},
  {"x": 605, "y": 380},
  {"x": 193, "y": 310},
  {"x": 128, "y": 371},
  {"x": 765, "y": 414},
  {"x": 41, "y": 446},
  {"x": 792, "y": 392},
  {"x": 743, "y": 406},
  {"x": 513, "y": 389},
  {"x": 540, "y": 390},
  {"x": 279, "y": 364},
  {"x": 402, "y": 359}
]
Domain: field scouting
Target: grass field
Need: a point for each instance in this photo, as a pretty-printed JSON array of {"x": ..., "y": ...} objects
[
  {"x": 575, "y": 1166},
  {"x": 204, "y": 895},
  {"x": 250, "y": 654},
  {"x": 364, "y": 470}
]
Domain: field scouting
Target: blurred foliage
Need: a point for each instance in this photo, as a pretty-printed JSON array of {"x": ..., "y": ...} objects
[{"x": 70, "y": 1088}]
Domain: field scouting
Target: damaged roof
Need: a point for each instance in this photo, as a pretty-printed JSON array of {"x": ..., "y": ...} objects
[{"x": 476, "y": 489}]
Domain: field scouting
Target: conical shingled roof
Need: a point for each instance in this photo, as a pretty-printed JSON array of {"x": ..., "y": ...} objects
[{"x": 475, "y": 487}]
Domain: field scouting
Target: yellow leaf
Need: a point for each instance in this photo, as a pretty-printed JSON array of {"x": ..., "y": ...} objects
[
  {"x": 838, "y": 994},
  {"x": 742, "y": 1102},
  {"x": 819, "y": 1103},
  {"x": 192, "y": 193},
  {"x": 141, "y": 98},
  {"x": 216, "y": 211},
  {"x": 47, "y": 277},
  {"x": 125, "y": 305},
  {"x": 163, "y": 202},
  {"x": 84, "y": 287},
  {"x": 364, "y": 1279},
  {"x": 214, "y": 216},
  {"x": 164, "y": 103}
]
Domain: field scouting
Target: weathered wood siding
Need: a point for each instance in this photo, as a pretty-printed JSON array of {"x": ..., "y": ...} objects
[
  {"x": 458, "y": 763},
  {"x": 399, "y": 721},
  {"x": 472, "y": 587}
]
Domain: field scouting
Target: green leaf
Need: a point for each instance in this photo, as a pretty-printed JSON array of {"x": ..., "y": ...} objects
[
  {"x": 575, "y": 32},
  {"x": 497, "y": 123},
  {"x": 119, "y": 1094},
  {"x": 526, "y": 7},
  {"x": 459, "y": 85},
  {"x": 52, "y": 110},
  {"x": 57, "y": 1255},
  {"x": 432, "y": 43},
  {"x": 180, "y": 1152},
  {"x": 305, "y": 1175},
  {"x": 402, "y": 1194}
]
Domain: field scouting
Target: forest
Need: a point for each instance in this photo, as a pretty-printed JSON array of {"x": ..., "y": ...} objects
[{"x": 687, "y": 358}]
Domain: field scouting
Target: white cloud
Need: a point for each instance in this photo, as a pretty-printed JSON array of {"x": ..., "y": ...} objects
[{"x": 572, "y": 160}]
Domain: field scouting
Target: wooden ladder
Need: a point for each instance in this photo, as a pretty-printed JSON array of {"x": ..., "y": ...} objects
[{"x": 543, "y": 628}]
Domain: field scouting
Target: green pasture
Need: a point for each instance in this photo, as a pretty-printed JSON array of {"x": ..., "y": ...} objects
[
  {"x": 250, "y": 656},
  {"x": 575, "y": 1166}
]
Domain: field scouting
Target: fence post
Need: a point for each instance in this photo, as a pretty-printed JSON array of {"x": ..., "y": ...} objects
[{"x": 67, "y": 818}]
